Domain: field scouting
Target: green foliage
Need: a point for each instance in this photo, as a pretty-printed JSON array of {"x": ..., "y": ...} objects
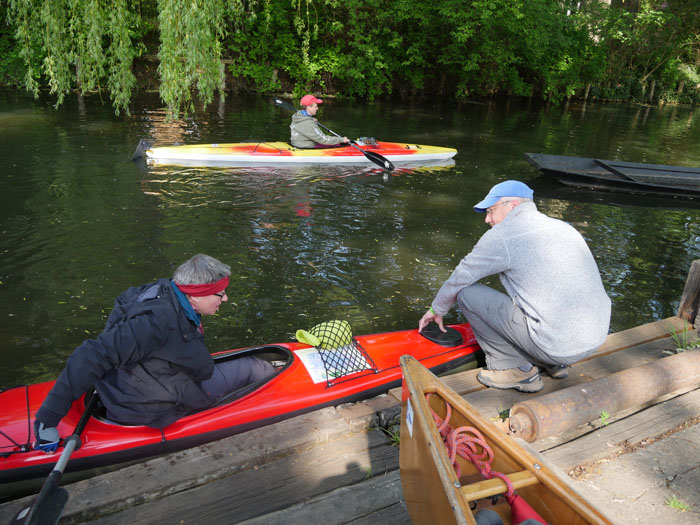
[
  {"x": 68, "y": 44},
  {"x": 682, "y": 339},
  {"x": 11, "y": 63},
  {"x": 394, "y": 435},
  {"x": 190, "y": 51},
  {"x": 677, "y": 504},
  {"x": 356, "y": 48}
]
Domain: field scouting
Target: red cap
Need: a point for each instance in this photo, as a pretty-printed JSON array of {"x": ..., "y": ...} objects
[{"x": 307, "y": 100}]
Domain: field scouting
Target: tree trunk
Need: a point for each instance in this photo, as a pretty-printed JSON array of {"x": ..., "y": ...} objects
[
  {"x": 222, "y": 76},
  {"x": 651, "y": 91},
  {"x": 628, "y": 5}
]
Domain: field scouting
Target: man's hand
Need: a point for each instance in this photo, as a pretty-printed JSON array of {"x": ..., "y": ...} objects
[
  {"x": 46, "y": 438},
  {"x": 428, "y": 317}
]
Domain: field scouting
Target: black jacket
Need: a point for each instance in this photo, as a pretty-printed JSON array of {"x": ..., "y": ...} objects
[{"x": 146, "y": 365}]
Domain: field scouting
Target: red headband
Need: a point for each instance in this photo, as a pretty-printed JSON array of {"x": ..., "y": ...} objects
[{"x": 200, "y": 290}]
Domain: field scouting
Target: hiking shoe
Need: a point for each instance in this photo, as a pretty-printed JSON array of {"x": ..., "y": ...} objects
[
  {"x": 557, "y": 371},
  {"x": 512, "y": 378}
]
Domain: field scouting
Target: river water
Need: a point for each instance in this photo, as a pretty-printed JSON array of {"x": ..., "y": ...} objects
[{"x": 80, "y": 222}]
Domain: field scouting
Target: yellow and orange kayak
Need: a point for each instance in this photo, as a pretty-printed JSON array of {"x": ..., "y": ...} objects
[{"x": 275, "y": 153}]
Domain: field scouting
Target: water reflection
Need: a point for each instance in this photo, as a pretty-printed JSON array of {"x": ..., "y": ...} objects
[{"x": 241, "y": 186}]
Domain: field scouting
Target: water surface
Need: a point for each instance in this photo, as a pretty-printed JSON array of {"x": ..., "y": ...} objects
[{"x": 80, "y": 222}]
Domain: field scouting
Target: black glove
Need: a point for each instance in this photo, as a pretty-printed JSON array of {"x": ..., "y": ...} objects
[{"x": 46, "y": 437}]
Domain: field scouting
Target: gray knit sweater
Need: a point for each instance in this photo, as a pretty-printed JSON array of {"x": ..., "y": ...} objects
[{"x": 547, "y": 269}]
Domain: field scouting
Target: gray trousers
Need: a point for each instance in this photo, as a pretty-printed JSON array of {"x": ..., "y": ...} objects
[
  {"x": 232, "y": 375},
  {"x": 502, "y": 332}
]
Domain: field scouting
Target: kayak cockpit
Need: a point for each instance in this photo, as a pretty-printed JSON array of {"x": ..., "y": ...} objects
[{"x": 278, "y": 356}]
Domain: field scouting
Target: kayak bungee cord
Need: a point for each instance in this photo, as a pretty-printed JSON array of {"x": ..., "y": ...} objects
[{"x": 28, "y": 445}]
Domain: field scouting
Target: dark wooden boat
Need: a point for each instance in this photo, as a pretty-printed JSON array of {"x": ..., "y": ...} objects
[
  {"x": 614, "y": 175},
  {"x": 433, "y": 491}
]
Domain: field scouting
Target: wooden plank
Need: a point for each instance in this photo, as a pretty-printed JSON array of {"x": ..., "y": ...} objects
[
  {"x": 639, "y": 335},
  {"x": 190, "y": 468},
  {"x": 465, "y": 383},
  {"x": 396, "y": 514},
  {"x": 375, "y": 501},
  {"x": 366, "y": 414},
  {"x": 690, "y": 300},
  {"x": 274, "y": 486},
  {"x": 612, "y": 439}
]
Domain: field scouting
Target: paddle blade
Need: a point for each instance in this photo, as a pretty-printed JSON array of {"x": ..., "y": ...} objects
[
  {"x": 379, "y": 160},
  {"x": 284, "y": 105},
  {"x": 49, "y": 512},
  {"x": 141, "y": 150}
]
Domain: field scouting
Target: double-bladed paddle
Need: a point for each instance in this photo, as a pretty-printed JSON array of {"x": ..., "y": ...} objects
[
  {"x": 378, "y": 159},
  {"x": 49, "y": 504}
]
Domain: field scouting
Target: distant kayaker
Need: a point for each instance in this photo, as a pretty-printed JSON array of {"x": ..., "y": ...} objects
[
  {"x": 556, "y": 311},
  {"x": 150, "y": 365},
  {"x": 305, "y": 130}
]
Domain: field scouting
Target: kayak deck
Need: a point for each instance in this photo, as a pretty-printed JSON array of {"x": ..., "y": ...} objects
[{"x": 271, "y": 153}]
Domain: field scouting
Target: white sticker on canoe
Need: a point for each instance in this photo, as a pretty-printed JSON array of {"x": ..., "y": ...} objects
[
  {"x": 409, "y": 417},
  {"x": 313, "y": 363},
  {"x": 348, "y": 360}
]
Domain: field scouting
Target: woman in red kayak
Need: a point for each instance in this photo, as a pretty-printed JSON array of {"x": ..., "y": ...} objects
[
  {"x": 305, "y": 130},
  {"x": 150, "y": 365}
]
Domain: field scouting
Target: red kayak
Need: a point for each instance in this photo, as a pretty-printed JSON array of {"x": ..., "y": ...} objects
[{"x": 306, "y": 378}]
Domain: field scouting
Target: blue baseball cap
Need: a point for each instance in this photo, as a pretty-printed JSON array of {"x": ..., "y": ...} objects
[{"x": 509, "y": 188}]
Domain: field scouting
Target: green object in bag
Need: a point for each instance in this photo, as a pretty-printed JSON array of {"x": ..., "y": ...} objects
[{"x": 305, "y": 337}]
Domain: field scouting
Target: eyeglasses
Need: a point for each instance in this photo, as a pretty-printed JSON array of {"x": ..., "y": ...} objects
[
  {"x": 490, "y": 208},
  {"x": 221, "y": 294}
]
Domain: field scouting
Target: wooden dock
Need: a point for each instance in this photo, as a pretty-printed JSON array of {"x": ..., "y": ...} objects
[{"x": 336, "y": 466}]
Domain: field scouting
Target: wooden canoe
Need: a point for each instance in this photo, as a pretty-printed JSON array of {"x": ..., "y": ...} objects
[
  {"x": 615, "y": 175},
  {"x": 432, "y": 491}
]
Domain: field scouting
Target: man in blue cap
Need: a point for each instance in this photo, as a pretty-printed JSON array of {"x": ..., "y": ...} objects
[{"x": 555, "y": 311}]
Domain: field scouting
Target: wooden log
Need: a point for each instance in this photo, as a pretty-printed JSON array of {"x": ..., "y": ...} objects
[
  {"x": 622, "y": 435},
  {"x": 690, "y": 300},
  {"x": 553, "y": 413},
  {"x": 491, "y": 402}
]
